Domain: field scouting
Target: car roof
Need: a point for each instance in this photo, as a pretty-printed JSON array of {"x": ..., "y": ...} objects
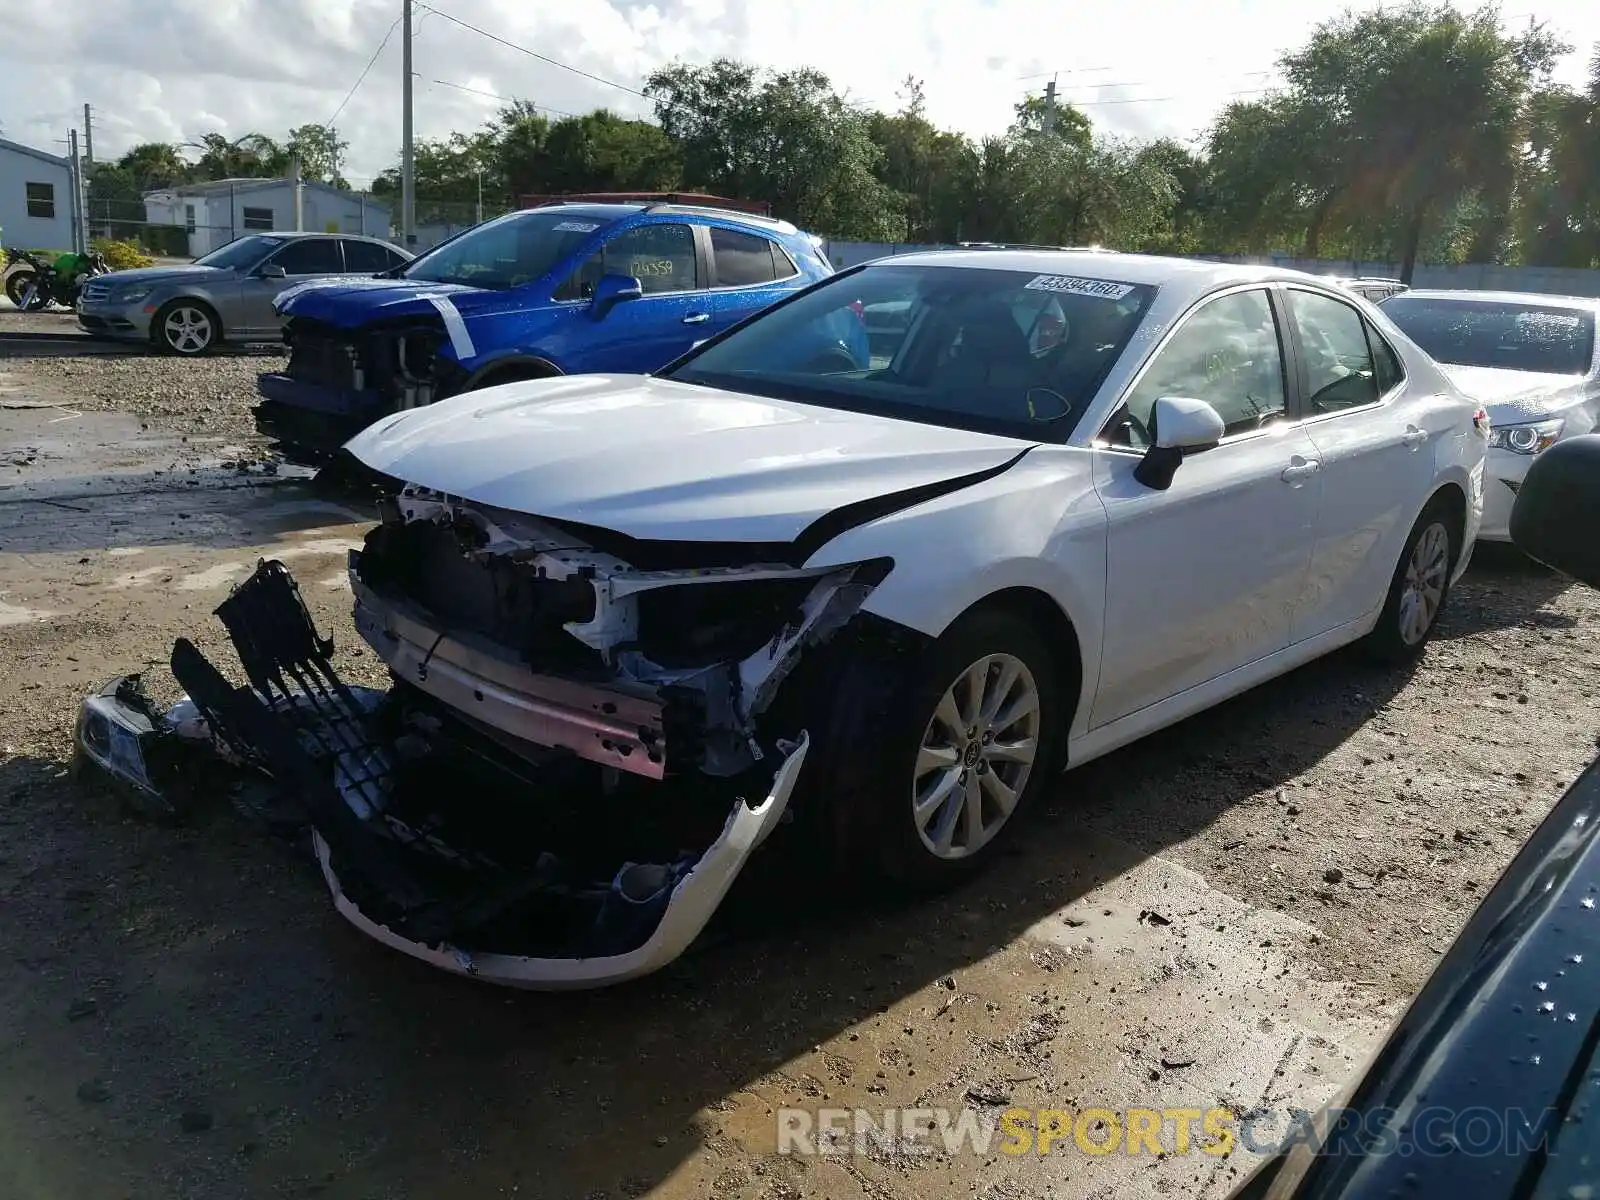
[
  {"x": 615, "y": 212},
  {"x": 1192, "y": 275},
  {"x": 1547, "y": 300}
]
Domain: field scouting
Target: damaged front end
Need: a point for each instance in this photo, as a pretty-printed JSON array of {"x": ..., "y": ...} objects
[
  {"x": 574, "y": 761},
  {"x": 338, "y": 381}
]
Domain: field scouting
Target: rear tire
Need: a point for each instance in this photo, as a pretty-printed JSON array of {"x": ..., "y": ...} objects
[
  {"x": 1419, "y": 589},
  {"x": 16, "y": 284}
]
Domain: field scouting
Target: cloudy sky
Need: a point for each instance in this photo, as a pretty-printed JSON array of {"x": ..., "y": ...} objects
[{"x": 171, "y": 70}]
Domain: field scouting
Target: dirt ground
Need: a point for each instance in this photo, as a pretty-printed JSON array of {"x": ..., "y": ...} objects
[{"x": 189, "y": 1018}]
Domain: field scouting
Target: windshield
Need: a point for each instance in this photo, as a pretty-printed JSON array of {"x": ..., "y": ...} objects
[
  {"x": 1011, "y": 352},
  {"x": 1511, "y": 336},
  {"x": 245, "y": 252},
  {"x": 507, "y": 252}
]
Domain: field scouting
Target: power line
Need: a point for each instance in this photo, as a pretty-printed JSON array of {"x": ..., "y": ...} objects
[
  {"x": 461, "y": 87},
  {"x": 544, "y": 58},
  {"x": 360, "y": 79}
]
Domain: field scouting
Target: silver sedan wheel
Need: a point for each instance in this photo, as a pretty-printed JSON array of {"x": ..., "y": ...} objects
[
  {"x": 187, "y": 329},
  {"x": 976, "y": 755},
  {"x": 1422, "y": 592}
]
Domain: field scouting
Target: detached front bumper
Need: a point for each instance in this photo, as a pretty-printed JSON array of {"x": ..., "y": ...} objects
[
  {"x": 490, "y": 857},
  {"x": 694, "y": 900}
]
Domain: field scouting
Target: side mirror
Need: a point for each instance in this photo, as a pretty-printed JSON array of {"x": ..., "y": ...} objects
[
  {"x": 611, "y": 291},
  {"x": 1556, "y": 517},
  {"x": 272, "y": 271},
  {"x": 1179, "y": 425}
]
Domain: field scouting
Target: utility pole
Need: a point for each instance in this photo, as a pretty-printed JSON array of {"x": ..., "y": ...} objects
[
  {"x": 80, "y": 227},
  {"x": 1050, "y": 106},
  {"x": 408, "y": 181},
  {"x": 479, "y": 214},
  {"x": 88, "y": 136}
]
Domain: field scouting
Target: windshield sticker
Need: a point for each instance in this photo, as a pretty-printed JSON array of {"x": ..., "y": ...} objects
[
  {"x": 577, "y": 227},
  {"x": 1068, "y": 285}
]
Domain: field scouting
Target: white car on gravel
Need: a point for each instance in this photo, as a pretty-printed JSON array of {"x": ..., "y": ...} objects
[
  {"x": 1532, "y": 360},
  {"x": 635, "y": 623}
]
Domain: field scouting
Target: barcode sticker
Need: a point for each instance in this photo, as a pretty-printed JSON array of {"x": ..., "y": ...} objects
[{"x": 1071, "y": 286}]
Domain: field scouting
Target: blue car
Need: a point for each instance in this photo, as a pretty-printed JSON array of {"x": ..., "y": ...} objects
[{"x": 557, "y": 290}]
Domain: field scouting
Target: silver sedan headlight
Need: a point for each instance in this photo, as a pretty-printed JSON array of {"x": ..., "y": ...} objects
[
  {"x": 1530, "y": 438},
  {"x": 131, "y": 295}
]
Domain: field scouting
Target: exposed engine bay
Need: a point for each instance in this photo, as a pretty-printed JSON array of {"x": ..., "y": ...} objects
[{"x": 573, "y": 763}]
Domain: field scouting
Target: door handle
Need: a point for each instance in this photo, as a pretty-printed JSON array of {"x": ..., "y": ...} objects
[
  {"x": 1300, "y": 469},
  {"x": 697, "y": 318},
  {"x": 1413, "y": 437}
]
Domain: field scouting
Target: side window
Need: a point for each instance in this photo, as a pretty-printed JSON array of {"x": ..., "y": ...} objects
[
  {"x": 1228, "y": 354},
  {"x": 395, "y": 258},
  {"x": 1339, "y": 370},
  {"x": 366, "y": 258},
  {"x": 746, "y": 258},
  {"x": 310, "y": 256},
  {"x": 1389, "y": 373},
  {"x": 661, "y": 257}
]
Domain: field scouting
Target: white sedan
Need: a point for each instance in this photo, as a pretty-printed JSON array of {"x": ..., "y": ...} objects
[
  {"x": 890, "y": 596},
  {"x": 1532, "y": 360}
]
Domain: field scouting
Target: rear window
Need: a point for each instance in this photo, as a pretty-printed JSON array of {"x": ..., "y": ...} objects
[{"x": 1512, "y": 336}]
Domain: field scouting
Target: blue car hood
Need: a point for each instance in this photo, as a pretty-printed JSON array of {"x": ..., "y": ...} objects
[{"x": 353, "y": 302}]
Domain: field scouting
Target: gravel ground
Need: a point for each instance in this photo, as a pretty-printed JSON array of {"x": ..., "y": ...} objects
[
  {"x": 210, "y": 397},
  {"x": 186, "y": 1018}
]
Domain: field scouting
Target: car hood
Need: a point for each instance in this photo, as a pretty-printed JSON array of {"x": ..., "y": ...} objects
[
  {"x": 351, "y": 301},
  {"x": 160, "y": 275},
  {"x": 662, "y": 461},
  {"x": 1513, "y": 397}
]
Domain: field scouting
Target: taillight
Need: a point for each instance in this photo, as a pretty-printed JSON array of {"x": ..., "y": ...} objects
[
  {"x": 1480, "y": 421},
  {"x": 859, "y": 309}
]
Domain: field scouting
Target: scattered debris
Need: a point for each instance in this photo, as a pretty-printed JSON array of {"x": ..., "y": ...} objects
[
  {"x": 1150, "y": 916},
  {"x": 1333, "y": 875},
  {"x": 79, "y": 1009}
]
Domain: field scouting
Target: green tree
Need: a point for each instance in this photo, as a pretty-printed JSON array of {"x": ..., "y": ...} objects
[
  {"x": 786, "y": 138},
  {"x": 154, "y": 165},
  {"x": 934, "y": 171},
  {"x": 320, "y": 151},
  {"x": 603, "y": 152},
  {"x": 253, "y": 156},
  {"x": 1557, "y": 217}
]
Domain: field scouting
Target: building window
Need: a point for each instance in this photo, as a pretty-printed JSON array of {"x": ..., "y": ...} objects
[
  {"x": 42, "y": 200},
  {"x": 258, "y": 218},
  {"x": 188, "y": 217}
]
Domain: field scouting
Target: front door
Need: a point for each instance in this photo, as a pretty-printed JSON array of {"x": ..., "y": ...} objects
[
  {"x": 1204, "y": 578},
  {"x": 301, "y": 259},
  {"x": 637, "y": 336}
]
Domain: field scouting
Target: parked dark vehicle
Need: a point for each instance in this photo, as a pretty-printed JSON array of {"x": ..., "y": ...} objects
[
  {"x": 1484, "y": 1087},
  {"x": 34, "y": 282}
]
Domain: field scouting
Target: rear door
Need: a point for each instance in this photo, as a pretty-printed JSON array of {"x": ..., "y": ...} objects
[
  {"x": 1377, "y": 459},
  {"x": 301, "y": 259},
  {"x": 638, "y": 336},
  {"x": 749, "y": 272}
]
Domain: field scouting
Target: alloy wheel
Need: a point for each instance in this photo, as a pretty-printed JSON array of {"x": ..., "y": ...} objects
[
  {"x": 187, "y": 330},
  {"x": 1422, "y": 591},
  {"x": 977, "y": 753}
]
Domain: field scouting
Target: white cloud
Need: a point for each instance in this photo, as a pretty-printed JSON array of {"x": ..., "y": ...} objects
[{"x": 172, "y": 70}]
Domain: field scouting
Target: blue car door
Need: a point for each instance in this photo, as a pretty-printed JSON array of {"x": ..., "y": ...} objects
[
  {"x": 749, "y": 272},
  {"x": 637, "y": 336}
]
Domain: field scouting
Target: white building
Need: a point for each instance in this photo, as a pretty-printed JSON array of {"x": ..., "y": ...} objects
[
  {"x": 216, "y": 213},
  {"x": 35, "y": 198}
]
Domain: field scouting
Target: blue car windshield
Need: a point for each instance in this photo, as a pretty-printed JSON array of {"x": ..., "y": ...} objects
[
  {"x": 1018, "y": 353},
  {"x": 506, "y": 252}
]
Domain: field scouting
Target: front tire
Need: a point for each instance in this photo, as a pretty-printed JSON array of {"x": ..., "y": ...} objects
[
  {"x": 17, "y": 283},
  {"x": 927, "y": 782},
  {"x": 186, "y": 328},
  {"x": 1419, "y": 588}
]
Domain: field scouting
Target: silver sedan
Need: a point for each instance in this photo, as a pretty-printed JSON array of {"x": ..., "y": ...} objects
[{"x": 226, "y": 295}]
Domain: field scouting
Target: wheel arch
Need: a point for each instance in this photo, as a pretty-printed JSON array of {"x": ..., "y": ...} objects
[
  {"x": 1060, "y": 635},
  {"x": 510, "y": 368},
  {"x": 1451, "y": 496}
]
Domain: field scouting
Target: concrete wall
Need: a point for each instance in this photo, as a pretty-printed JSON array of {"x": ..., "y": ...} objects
[
  {"x": 17, "y": 228},
  {"x": 1561, "y": 281}
]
